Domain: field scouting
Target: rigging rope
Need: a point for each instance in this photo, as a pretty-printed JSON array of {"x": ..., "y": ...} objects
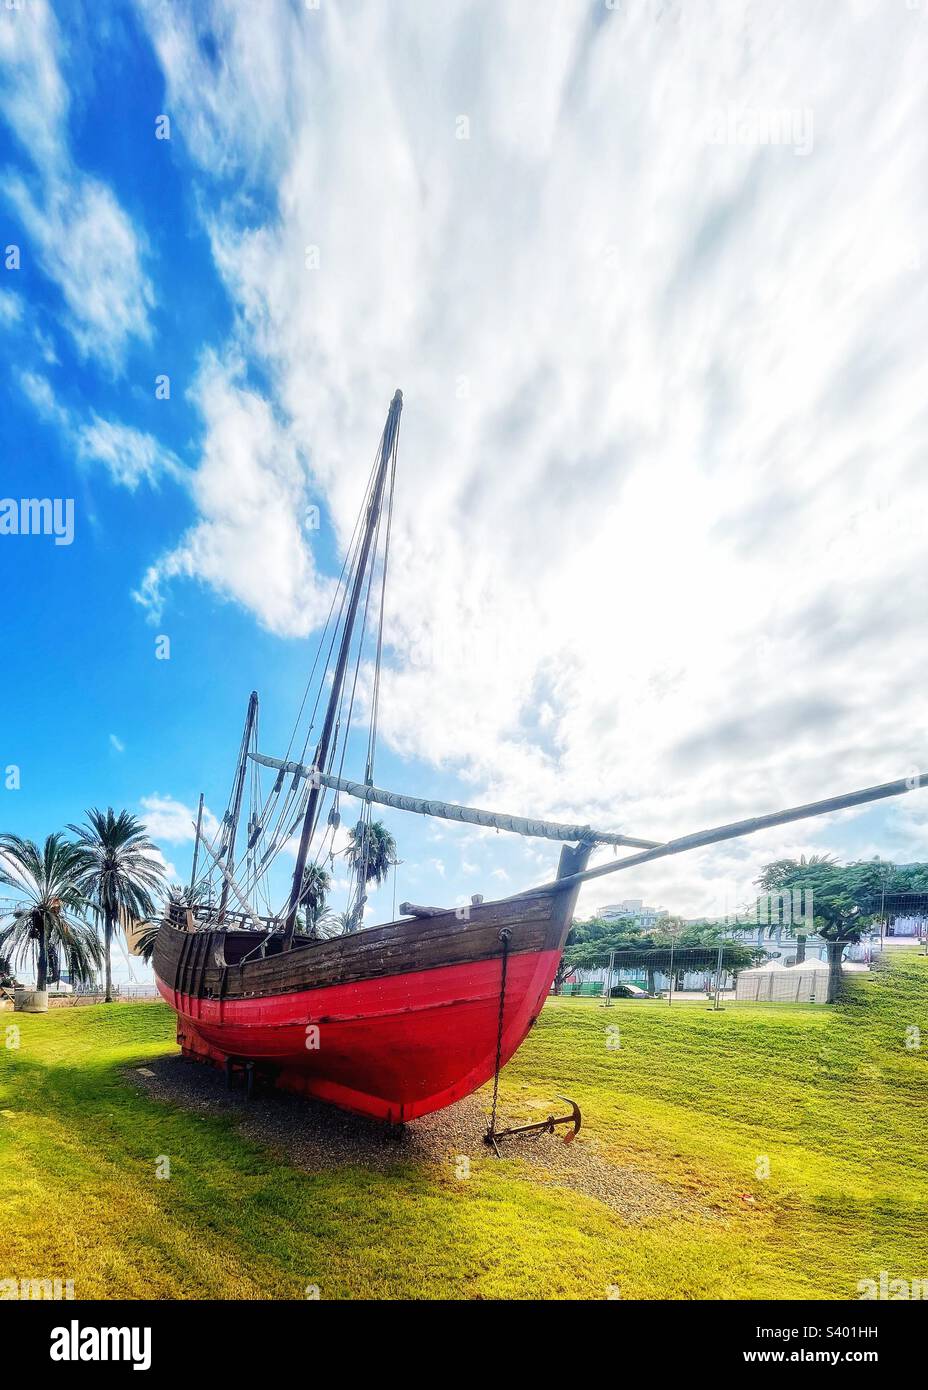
[
  {"x": 267, "y": 840},
  {"x": 273, "y": 820}
]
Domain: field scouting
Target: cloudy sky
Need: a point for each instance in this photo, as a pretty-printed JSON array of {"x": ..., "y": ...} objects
[{"x": 652, "y": 278}]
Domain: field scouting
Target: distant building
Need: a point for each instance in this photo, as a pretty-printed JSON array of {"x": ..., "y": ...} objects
[
  {"x": 781, "y": 943},
  {"x": 905, "y": 914},
  {"x": 778, "y": 943},
  {"x": 634, "y": 910}
]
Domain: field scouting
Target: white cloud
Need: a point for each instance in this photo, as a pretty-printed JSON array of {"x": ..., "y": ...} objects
[
  {"x": 11, "y": 307},
  {"x": 35, "y": 99},
  {"x": 82, "y": 238},
  {"x": 657, "y": 558},
  {"x": 172, "y": 821},
  {"x": 129, "y": 455},
  {"x": 251, "y": 491},
  {"x": 117, "y": 744},
  {"x": 38, "y": 390},
  {"x": 90, "y": 248}
]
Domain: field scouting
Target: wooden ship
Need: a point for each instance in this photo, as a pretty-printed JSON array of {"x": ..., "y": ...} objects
[{"x": 395, "y": 1020}]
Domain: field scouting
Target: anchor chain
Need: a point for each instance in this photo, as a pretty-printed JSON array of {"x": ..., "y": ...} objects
[
  {"x": 504, "y": 937},
  {"x": 543, "y": 1126}
]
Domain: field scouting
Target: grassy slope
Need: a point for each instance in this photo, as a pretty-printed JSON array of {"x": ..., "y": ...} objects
[{"x": 832, "y": 1097}]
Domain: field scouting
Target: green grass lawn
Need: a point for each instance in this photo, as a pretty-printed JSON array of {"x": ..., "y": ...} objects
[{"x": 831, "y": 1100}]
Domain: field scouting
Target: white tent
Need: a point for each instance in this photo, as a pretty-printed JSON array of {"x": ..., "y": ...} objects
[
  {"x": 759, "y": 982},
  {"x": 805, "y": 983},
  {"x": 812, "y": 981}
]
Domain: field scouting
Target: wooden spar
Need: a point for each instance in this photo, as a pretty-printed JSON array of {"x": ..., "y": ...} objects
[
  {"x": 448, "y": 810},
  {"x": 734, "y": 831},
  {"x": 196, "y": 847},
  {"x": 239, "y": 787},
  {"x": 387, "y": 449}
]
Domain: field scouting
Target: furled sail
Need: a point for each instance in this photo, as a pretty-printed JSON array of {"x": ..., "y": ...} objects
[{"x": 448, "y": 810}]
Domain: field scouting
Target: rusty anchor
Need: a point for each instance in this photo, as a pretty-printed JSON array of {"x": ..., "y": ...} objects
[{"x": 546, "y": 1126}]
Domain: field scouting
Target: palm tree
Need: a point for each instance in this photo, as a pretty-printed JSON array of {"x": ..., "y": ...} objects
[
  {"x": 121, "y": 876},
  {"x": 372, "y": 849},
  {"x": 145, "y": 940},
  {"x": 316, "y": 884},
  {"x": 343, "y": 922},
  {"x": 45, "y": 924},
  {"x": 179, "y": 900},
  {"x": 200, "y": 895},
  {"x": 322, "y": 927}
]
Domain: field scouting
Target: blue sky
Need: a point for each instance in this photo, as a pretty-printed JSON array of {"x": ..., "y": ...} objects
[{"x": 655, "y": 294}]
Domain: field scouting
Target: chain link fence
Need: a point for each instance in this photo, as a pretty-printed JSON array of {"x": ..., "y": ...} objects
[
  {"x": 690, "y": 974},
  {"x": 685, "y": 973}
]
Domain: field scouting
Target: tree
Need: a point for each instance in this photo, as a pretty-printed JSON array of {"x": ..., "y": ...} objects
[
  {"x": 576, "y": 956},
  {"x": 564, "y": 966},
  {"x": 371, "y": 854},
  {"x": 839, "y": 920},
  {"x": 594, "y": 941},
  {"x": 371, "y": 851},
  {"x": 780, "y": 876},
  {"x": 145, "y": 940},
  {"x": 653, "y": 956},
  {"x": 184, "y": 899},
  {"x": 180, "y": 901},
  {"x": 901, "y": 878},
  {"x": 841, "y": 898},
  {"x": 314, "y": 893},
  {"x": 323, "y": 927},
  {"x": 590, "y": 945},
  {"x": 46, "y": 923},
  {"x": 709, "y": 936},
  {"x": 200, "y": 895},
  {"x": 121, "y": 875}
]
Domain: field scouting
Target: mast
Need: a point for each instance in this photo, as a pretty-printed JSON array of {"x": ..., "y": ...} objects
[
  {"x": 387, "y": 450},
  {"x": 196, "y": 849},
  {"x": 238, "y": 789}
]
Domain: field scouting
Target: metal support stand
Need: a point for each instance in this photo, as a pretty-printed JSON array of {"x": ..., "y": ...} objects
[{"x": 250, "y": 1072}]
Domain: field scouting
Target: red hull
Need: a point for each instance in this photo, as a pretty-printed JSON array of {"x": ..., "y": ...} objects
[{"x": 394, "y": 1048}]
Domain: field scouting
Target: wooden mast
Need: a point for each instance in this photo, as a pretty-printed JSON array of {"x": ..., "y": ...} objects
[
  {"x": 196, "y": 850},
  {"x": 239, "y": 787},
  {"x": 387, "y": 450}
]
